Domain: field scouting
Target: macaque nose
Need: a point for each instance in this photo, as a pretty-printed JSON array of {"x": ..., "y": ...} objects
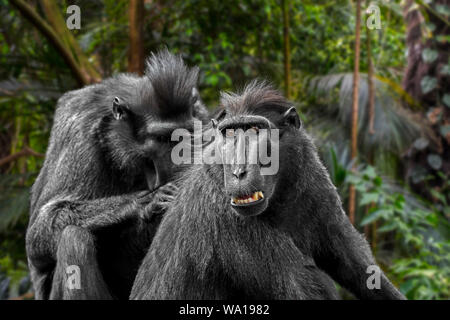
[{"x": 239, "y": 172}]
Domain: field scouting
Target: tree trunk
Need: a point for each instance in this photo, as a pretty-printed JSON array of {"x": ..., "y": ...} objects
[
  {"x": 354, "y": 124},
  {"x": 136, "y": 36},
  {"x": 370, "y": 229},
  {"x": 370, "y": 83},
  {"x": 287, "y": 49}
]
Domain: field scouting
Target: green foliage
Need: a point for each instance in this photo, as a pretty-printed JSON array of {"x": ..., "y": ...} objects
[
  {"x": 420, "y": 230},
  {"x": 428, "y": 84},
  {"x": 429, "y": 55},
  {"x": 395, "y": 126},
  {"x": 15, "y": 271},
  {"x": 12, "y": 270},
  {"x": 13, "y": 203}
]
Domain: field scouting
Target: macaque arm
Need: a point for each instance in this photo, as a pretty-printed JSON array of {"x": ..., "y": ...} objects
[{"x": 345, "y": 255}]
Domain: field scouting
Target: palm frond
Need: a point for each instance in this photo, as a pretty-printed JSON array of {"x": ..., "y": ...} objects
[
  {"x": 14, "y": 200},
  {"x": 395, "y": 126}
]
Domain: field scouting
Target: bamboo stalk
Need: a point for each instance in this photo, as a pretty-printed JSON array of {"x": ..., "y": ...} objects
[
  {"x": 287, "y": 49},
  {"x": 354, "y": 123},
  {"x": 136, "y": 37}
]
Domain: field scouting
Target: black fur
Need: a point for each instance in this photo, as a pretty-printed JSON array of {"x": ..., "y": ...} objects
[
  {"x": 93, "y": 182},
  {"x": 204, "y": 250},
  {"x": 172, "y": 97}
]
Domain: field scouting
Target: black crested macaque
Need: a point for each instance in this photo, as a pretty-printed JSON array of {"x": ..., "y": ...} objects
[
  {"x": 235, "y": 233},
  {"x": 106, "y": 178}
]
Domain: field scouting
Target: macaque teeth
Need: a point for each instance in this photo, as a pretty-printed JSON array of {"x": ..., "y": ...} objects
[{"x": 254, "y": 197}]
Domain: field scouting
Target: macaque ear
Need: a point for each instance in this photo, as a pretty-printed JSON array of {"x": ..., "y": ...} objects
[
  {"x": 291, "y": 118},
  {"x": 218, "y": 117},
  {"x": 119, "y": 109}
]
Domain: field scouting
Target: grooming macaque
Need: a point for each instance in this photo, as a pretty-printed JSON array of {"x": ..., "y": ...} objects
[{"x": 106, "y": 179}]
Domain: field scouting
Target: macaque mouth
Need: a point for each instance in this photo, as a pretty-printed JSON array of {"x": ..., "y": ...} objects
[{"x": 248, "y": 200}]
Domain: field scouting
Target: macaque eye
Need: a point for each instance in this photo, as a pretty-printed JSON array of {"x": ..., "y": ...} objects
[
  {"x": 254, "y": 129},
  {"x": 229, "y": 132}
]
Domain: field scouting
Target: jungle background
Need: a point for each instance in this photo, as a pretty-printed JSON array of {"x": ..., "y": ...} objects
[{"x": 375, "y": 94}]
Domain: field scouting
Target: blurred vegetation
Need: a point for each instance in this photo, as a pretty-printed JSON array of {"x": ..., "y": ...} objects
[{"x": 403, "y": 168}]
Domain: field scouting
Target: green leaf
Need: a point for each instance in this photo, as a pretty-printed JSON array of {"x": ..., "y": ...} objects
[
  {"x": 12, "y": 207},
  {"x": 378, "y": 181},
  {"x": 407, "y": 286},
  {"x": 388, "y": 227},
  {"x": 445, "y": 69},
  {"x": 370, "y": 172},
  {"x": 443, "y": 38},
  {"x": 444, "y": 130},
  {"x": 374, "y": 216},
  {"x": 352, "y": 179},
  {"x": 421, "y": 143},
  {"x": 435, "y": 161},
  {"x": 443, "y": 9},
  {"x": 429, "y": 55},
  {"x": 428, "y": 84},
  {"x": 368, "y": 198},
  {"x": 438, "y": 195},
  {"x": 212, "y": 80},
  {"x": 399, "y": 201},
  {"x": 446, "y": 99},
  {"x": 430, "y": 26}
]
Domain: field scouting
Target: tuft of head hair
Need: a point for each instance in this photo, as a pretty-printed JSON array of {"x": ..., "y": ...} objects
[
  {"x": 257, "y": 96},
  {"x": 172, "y": 81}
]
